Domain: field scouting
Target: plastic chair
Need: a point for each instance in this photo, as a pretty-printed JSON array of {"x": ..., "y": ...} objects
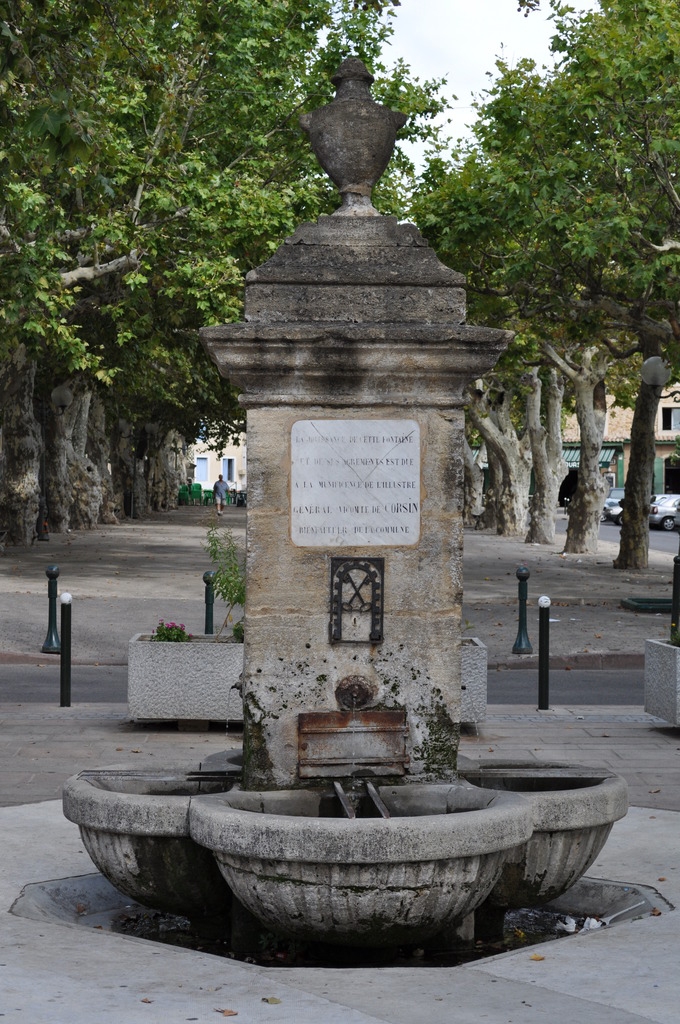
[
  {"x": 196, "y": 494},
  {"x": 208, "y": 498},
  {"x": 183, "y": 497}
]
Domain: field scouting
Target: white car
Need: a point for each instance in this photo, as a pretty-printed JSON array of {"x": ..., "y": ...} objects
[{"x": 663, "y": 510}]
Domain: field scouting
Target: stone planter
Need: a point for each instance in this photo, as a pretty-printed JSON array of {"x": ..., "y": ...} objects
[
  {"x": 194, "y": 681},
  {"x": 662, "y": 680},
  {"x": 473, "y": 659}
]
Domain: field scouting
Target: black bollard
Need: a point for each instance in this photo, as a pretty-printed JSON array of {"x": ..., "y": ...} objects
[
  {"x": 522, "y": 644},
  {"x": 65, "y": 662},
  {"x": 51, "y": 645},
  {"x": 675, "y": 602},
  {"x": 543, "y": 653},
  {"x": 208, "y": 578}
]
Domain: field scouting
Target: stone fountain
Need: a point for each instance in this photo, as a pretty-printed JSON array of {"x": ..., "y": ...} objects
[{"x": 351, "y": 823}]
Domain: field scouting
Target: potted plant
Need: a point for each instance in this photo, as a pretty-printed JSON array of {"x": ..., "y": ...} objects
[
  {"x": 178, "y": 676},
  {"x": 662, "y": 678}
]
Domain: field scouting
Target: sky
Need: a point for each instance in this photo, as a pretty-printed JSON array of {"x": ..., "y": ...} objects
[{"x": 460, "y": 40}]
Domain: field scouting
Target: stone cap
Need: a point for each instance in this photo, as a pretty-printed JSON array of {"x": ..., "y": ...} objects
[
  {"x": 402, "y": 364},
  {"x": 346, "y": 250}
]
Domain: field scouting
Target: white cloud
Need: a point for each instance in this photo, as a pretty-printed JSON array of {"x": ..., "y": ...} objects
[{"x": 461, "y": 39}]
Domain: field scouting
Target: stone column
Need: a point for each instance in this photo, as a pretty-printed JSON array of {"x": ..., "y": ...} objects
[{"x": 353, "y": 361}]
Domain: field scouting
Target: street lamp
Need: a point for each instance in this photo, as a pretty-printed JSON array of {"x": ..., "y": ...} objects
[{"x": 60, "y": 397}]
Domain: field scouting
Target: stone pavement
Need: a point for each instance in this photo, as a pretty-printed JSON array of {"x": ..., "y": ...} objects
[
  {"x": 125, "y": 578},
  {"x": 56, "y": 971}
]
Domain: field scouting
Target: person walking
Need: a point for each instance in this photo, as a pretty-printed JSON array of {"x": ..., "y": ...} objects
[{"x": 220, "y": 488}]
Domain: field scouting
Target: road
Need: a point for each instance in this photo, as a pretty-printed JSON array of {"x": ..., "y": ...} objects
[
  {"x": 659, "y": 540},
  {"x": 578, "y": 686},
  {"x": 36, "y": 684}
]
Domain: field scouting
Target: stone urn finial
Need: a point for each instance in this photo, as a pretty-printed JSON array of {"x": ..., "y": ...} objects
[{"x": 353, "y": 137}]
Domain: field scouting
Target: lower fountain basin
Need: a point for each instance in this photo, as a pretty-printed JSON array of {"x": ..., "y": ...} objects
[
  {"x": 573, "y": 810},
  {"x": 365, "y": 881},
  {"x": 135, "y": 827}
]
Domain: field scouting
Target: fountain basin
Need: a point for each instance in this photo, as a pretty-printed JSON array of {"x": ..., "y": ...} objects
[
  {"x": 135, "y": 826},
  {"x": 573, "y": 810},
  {"x": 366, "y": 881}
]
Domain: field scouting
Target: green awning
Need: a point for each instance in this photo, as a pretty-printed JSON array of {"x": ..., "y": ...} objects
[{"x": 572, "y": 456}]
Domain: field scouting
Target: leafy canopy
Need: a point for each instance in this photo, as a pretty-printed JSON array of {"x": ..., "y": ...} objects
[{"x": 151, "y": 155}]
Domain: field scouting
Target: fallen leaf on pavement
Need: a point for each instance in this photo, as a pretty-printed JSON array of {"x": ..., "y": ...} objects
[
  {"x": 145, "y": 1000},
  {"x": 655, "y": 912},
  {"x": 662, "y": 879},
  {"x": 655, "y": 791},
  {"x": 270, "y": 999},
  {"x": 227, "y": 1013},
  {"x": 536, "y": 956}
]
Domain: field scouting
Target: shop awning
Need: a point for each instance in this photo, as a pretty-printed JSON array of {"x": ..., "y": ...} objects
[{"x": 572, "y": 456}]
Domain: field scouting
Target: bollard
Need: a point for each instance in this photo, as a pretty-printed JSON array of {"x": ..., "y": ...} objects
[
  {"x": 209, "y": 601},
  {"x": 522, "y": 644},
  {"x": 675, "y": 602},
  {"x": 51, "y": 645},
  {"x": 543, "y": 653},
  {"x": 65, "y": 663}
]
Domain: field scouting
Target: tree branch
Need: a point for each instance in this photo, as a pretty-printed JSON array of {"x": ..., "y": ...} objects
[{"x": 69, "y": 278}]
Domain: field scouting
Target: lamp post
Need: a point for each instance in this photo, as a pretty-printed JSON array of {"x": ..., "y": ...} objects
[{"x": 60, "y": 397}]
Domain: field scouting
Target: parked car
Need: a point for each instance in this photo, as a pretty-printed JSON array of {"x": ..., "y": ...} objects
[
  {"x": 611, "y": 511},
  {"x": 662, "y": 510}
]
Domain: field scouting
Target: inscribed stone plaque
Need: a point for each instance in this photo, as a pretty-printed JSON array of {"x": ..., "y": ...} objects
[{"x": 355, "y": 483}]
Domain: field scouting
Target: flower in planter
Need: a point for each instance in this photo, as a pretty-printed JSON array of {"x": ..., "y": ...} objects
[{"x": 170, "y": 632}]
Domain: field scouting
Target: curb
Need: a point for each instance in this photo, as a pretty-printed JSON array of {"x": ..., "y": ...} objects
[
  {"x": 583, "y": 660},
  {"x": 12, "y": 658}
]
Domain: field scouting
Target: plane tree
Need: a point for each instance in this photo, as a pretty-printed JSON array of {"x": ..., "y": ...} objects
[
  {"x": 150, "y": 156},
  {"x": 566, "y": 210}
]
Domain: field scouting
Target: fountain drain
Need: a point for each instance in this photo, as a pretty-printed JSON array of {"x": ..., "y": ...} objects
[{"x": 91, "y": 902}]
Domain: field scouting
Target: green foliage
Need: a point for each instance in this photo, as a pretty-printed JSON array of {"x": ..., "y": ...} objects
[
  {"x": 565, "y": 210},
  {"x": 674, "y": 459},
  {"x": 229, "y": 581},
  {"x": 151, "y": 156},
  {"x": 170, "y": 632}
]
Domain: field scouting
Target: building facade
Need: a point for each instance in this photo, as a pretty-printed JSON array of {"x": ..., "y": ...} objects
[
  {"x": 615, "y": 451},
  {"x": 231, "y": 462}
]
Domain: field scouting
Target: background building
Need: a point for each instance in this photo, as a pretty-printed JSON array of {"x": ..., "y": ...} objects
[{"x": 231, "y": 462}]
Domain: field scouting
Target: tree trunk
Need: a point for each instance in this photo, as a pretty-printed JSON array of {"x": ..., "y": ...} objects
[
  {"x": 165, "y": 474},
  {"x": 488, "y": 519},
  {"x": 585, "y": 507},
  {"x": 634, "y": 542},
  {"x": 99, "y": 448},
  {"x": 587, "y": 377},
  {"x": 474, "y": 486},
  {"x": 546, "y": 451},
  {"x": 22, "y": 446},
  {"x": 513, "y": 454}
]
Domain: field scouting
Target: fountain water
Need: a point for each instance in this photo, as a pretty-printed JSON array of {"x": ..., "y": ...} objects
[{"x": 351, "y": 824}]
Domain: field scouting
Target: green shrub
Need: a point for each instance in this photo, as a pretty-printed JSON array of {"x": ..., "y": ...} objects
[{"x": 229, "y": 581}]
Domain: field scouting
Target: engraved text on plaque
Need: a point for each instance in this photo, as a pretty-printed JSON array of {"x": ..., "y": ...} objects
[{"x": 355, "y": 483}]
